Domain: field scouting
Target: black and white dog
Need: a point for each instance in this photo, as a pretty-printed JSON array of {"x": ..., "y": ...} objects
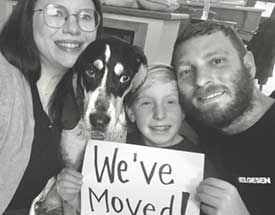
[
  {"x": 88, "y": 102},
  {"x": 90, "y": 97}
]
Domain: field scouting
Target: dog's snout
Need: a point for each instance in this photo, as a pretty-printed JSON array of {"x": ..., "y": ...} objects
[
  {"x": 99, "y": 120},
  {"x": 102, "y": 105}
]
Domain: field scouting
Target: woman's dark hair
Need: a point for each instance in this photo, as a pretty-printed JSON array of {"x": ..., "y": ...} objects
[{"x": 17, "y": 42}]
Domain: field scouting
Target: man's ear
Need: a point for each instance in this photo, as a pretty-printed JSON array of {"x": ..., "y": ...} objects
[
  {"x": 130, "y": 114},
  {"x": 249, "y": 63},
  {"x": 183, "y": 115}
]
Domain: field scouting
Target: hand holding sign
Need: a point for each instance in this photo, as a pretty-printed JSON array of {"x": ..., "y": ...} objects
[
  {"x": 139, "y": 180},
  {"x": 220, "y": 197},
  {"x": 68, "y": 185}
]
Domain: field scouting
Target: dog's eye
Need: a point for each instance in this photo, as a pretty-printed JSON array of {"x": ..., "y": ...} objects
[
  {"x": 124, "y": 78},
  {"x": 90, "y": 73}
]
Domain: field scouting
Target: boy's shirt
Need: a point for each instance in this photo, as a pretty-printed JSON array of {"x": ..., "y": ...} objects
[{"x": 185, "y": 145}]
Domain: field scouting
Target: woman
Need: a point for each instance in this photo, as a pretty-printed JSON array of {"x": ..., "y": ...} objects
[{"x": 39, "y": 42}]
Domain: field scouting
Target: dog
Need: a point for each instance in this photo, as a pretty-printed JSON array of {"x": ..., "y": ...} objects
[{"x": 88, "y": 104}]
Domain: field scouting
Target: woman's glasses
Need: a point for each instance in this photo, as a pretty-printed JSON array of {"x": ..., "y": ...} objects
[{"x": 55, "y": 16}]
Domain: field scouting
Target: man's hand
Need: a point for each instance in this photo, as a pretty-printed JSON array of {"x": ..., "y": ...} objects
[{"x": 219, "y": 197}]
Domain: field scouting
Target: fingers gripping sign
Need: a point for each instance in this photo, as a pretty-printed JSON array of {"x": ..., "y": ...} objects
[
  {"x": 219, "y": 197},
  {"x": 69, "y": 183}
]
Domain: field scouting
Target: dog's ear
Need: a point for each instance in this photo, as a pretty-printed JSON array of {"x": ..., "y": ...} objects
[
  {"x": 140, "y": 56},
  {"x": 73, "y": 103},
  {"x": 141, "y": 74},
  {"x": 78, "y": 92},
  {"x": 139, "y": 77},
  {"x": 64, "y": 111},
  {"x": 70, "y": 112}
]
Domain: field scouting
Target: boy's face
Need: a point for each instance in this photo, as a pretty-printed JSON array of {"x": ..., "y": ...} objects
[{"x": 158, "y": 114}]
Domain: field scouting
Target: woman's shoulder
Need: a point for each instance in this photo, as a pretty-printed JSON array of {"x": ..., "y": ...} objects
[
  {"x": 14, "y": 88},
  {"x": 12, "y": 81},
  {"x": 7, "y": 79},
  {"x": 7, "y": 70}
]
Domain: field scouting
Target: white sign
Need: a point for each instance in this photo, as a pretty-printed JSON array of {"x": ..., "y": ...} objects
[{"x": 128, "y": 179}]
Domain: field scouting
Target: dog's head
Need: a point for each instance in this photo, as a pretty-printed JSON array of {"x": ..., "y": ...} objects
[{"x": 102, "y": 76}]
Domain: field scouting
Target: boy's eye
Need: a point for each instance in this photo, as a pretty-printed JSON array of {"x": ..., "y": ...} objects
[
  {"x": 172, "y": 101},
  {"x": 145, "y": 103}
]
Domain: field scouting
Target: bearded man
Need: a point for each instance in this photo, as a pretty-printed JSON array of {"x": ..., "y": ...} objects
[{"x": 235, "y": 121}]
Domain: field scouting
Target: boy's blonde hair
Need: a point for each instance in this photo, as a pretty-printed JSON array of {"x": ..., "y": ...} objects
[{"x": 157, "y": 73}]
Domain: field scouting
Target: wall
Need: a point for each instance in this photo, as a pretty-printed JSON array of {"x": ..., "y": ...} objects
[
  {"x": 6, "y": 8},
  {"x": 2, "y": 10}
]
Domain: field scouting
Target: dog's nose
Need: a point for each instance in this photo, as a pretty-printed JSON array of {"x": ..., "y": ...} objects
[{"x": 99, "y": 120}]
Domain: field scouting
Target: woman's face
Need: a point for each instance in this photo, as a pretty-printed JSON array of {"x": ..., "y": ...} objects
[{"x": 60, "y": 47}]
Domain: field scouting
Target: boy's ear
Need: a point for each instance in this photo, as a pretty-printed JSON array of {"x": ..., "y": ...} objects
[
  {"x": 130, "y": 114},
  {"x": 249, "y": 63}
]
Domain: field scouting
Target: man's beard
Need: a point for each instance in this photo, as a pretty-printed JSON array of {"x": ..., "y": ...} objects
[{"x": 219, "y": 117}]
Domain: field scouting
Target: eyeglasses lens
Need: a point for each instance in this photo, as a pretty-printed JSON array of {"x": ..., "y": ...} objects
[
  {"x": 56, "y": 16},
  {"x": 88, "y": 19}
]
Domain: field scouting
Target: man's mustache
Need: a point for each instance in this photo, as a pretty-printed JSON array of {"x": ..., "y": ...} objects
[{"x": 205, "y": 92}]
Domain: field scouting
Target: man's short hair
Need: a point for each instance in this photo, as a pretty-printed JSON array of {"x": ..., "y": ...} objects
[{"x": 207, "y": 28}]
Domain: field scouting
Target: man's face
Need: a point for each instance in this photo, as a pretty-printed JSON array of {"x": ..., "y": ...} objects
[{"x": 216, "y": 86}]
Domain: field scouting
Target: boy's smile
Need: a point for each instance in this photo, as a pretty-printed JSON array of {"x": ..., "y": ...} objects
[{"x": 160, "y": 128}]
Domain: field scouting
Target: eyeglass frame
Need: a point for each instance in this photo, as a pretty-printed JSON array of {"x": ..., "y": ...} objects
[{"x": 68, "y": 15}]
